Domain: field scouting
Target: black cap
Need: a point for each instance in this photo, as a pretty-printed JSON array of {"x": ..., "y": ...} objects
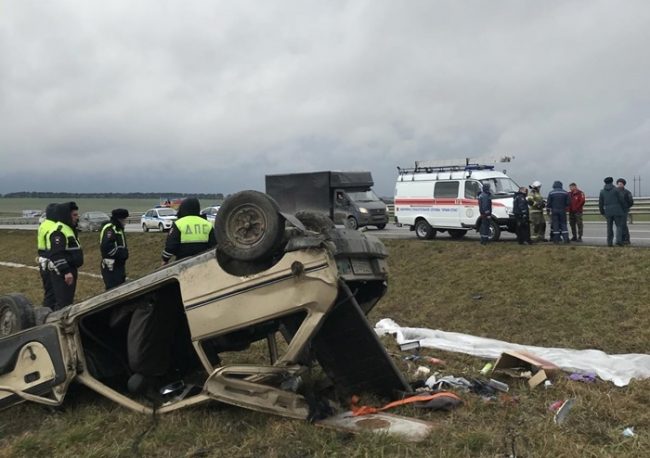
[
  {"x": 609, "y": 180},
  {"x": 120, "y": 213},
  {"x": 621, "y": 180}
]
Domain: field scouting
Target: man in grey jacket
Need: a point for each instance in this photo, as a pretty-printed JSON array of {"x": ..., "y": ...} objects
[{"x": 610, "y": 204}]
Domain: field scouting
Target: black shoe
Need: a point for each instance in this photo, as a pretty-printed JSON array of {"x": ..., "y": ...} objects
[
  {"x": 579, "y": 240},
  {"x": 574, "y": 239}
]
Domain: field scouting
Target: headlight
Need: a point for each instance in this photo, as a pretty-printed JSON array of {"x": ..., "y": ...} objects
[{"x": 363, "y": 210}]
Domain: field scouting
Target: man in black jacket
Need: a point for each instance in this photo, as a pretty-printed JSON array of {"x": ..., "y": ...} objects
[
  {"x": 610, "y": 205},
  {"x": 485, "y": 210},
  {"x": 112, "y": 245},
  {"x": 558, "y": 202},
  {"x": 628, "y": 202},
  {"x": 190, "y": 234},
  {"x": 66, "y": 255},
  {"x": 521, "y": 212}
]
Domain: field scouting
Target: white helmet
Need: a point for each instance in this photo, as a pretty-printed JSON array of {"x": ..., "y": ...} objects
[{"x": 536, "y": 184}]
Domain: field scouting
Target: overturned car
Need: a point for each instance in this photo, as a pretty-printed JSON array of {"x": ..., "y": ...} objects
[{"x": 273, "y": 321}]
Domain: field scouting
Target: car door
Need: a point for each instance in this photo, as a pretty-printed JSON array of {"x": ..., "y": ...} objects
[
  {"x": 148, "y": 218},
  {"x": 470, "y": 212},
  {"x": 32, "y": 364},
  {"x": 445, "y": 195}
]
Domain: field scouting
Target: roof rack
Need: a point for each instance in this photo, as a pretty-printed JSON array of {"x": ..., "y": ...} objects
[{"x": 455, "y": 165}]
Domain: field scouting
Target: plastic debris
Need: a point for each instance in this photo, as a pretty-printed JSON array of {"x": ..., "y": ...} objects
[
  {"x": 498, "y": 385},
  {"x": 487, "y": 369},
  {"x": 555, "y": 406},
  {"x": 547, "y": 384},
  {"x": 588, "y": 377},
  {"x": 629, "y": 432},
  {"x": 448, "y": 381},
  {"x": 422, "y": 372},
  {"x": 563, "y": 411}
]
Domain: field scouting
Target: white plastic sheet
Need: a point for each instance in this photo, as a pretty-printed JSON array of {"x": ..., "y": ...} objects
[{"x": 619, "y": 369}]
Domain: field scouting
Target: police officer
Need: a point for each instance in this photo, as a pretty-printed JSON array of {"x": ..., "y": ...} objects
[
  {"x": 628, "y": 202},
  {"x": 485, "y": 210},
  {"x": 190, "y": 234},
  {"x": 521, "y": 212},
  {"x": 66, "y": 255},
  {"x": 536, "y": 203},
  {"x": 558, "y": 202},
  {"x": 112, "y": 244},
  {"x": 44, "y": 230}
]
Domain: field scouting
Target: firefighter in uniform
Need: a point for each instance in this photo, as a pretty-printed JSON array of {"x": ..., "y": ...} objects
[
  {"x": 66, "y": 255},
  {"x": 44, "y": 230},
  {"x": 112, "y": 244},
  {"x": 190, "y": 234},
  {"x": 485, "y": 209},
  {"x": 537, "y": 204}
]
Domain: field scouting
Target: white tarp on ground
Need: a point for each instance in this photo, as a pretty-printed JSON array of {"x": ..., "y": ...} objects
[{"x": 619, "y": 369}]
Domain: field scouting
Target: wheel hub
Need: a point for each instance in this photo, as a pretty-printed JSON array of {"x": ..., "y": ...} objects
[
  {"x": 7, "y": 322},
  {"x": 247, "y": 224}
]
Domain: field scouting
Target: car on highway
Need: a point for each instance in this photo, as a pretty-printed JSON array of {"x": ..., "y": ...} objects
[
  {"x": 160, "y": 218},
  {"x": 294, "y": 282},
  {"x": 210, "y": 213},
  {"x": 92, "y": 221}
]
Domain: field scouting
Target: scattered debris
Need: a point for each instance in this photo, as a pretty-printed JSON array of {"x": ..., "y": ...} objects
[
  {"x": 448, "y": 381},
  {"x": 525, "y": 365},
  {"x": 422, "y": 372},
  {"x": 498, "y": 385},
  {"x": 487, "y": 369},
  {"x": 629, "y": 432},
  {"x": 445, "y": 400},
  {"x": 563, "y": 411},
  {"x": 588, "y": 377},
  {"x": 477, "y": 297}
]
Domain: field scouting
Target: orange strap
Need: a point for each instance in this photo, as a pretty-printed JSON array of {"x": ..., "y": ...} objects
[{"x": 358, "y": 410}]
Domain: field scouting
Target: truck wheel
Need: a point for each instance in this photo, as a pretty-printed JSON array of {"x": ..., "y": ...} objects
[
  {"x": 352, "y": 223},
  {"x": 145, "y": 228},
  {"x": 495, "y": 231},
  {"x": 381, "y": 226},
  {"x": 316, "y": 222},
  {"x": 457, "y": 234},
  {"x": 250, "y": 226},
  {"x": 16, "y": 314},
  {"x": 423, "y": 230}
]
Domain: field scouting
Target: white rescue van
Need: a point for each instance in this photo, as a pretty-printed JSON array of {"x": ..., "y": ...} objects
[{"x": 443, "y": 197}]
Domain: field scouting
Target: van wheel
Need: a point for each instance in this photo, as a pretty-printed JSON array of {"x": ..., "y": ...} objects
[
  {"x": 250, "y": 226},
  {"x": 495, "y": 231},
  {"x": 352, "y": 223},
  {"x": 16, "y": 314},
  {"x": 423, "y": 230},
  {"x": 145, "y": 228},
  {"x": 457, "y": 234}
]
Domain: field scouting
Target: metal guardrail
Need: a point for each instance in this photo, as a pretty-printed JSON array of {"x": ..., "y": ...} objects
[{"x": 16, "y": 220}]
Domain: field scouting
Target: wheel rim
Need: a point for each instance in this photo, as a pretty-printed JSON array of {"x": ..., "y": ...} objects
[
  {"x": 421, "y": 230},
  {"x": 247, "y": 225},
  {"x": 7, "y": 322}
]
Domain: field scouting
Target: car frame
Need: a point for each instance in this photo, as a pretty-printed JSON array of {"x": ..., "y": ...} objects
[
  {"x": 295, "y": 276},
  {"x": 154, "y": 219}
]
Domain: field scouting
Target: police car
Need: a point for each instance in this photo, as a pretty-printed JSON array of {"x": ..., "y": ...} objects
[
  {"x": 442, "y": 196},
  {"x": 158, "y": 218}
]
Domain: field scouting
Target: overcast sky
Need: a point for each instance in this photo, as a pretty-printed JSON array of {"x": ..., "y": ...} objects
[{"x": 209, "y": 96}]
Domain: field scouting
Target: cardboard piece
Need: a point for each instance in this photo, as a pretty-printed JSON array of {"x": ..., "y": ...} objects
[{"x": 540, "y": 369}]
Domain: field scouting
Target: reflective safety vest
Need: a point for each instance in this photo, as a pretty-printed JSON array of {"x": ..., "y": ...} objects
[
  {"x": 119, "y": 232},
  {"x": 69, "y": 236},
  {"x": 194, "y": 229},
  {"x": 43, "y": 235}
]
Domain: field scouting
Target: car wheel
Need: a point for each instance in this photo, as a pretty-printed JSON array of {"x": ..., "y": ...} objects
[
  {"x": 423, "y": 230},
  {"x": 161, "y": 227},
  {"x": 457, "y": 234},
  {"x": 351, "y": 223},
  {"x": 145, "y": 228},
  {"x": 16, "y": 314},
  {"x": 250, "y": 226},
  {"x": 316, "y": 222},
  {"x": 41, "y": 314},
  {"x": 495, "y": 231},
  {"x": 381, "y": 226}
]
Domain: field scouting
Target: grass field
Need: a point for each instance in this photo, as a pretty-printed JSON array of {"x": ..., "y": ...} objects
[{"x": 577, "y": 297}]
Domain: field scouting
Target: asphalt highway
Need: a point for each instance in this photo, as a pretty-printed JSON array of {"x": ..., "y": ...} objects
[{"x": 594, "y": 233}]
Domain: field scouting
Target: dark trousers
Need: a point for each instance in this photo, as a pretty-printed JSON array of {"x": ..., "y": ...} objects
[
  {"x": 115, "y": 277},
  {"x": 558, "y": 227},
  {"x": 522, "y": 229},
  {"x": 618, "y": 220},
  {"x": 63, "y": 293},
  {"x": 485, "y": 230},
  {"x": 626, "y": 230},
  {"x": 575, "y": 221},
  {"x": 49, "y": 299}
]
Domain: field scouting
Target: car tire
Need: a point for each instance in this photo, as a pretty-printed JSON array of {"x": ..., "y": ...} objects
[
  {"x": 316, "y": 222},
  {"x": 16, "y": 314},
  {"x": 161, "y": 228},
  {"x": 457, "y": 234},
  {"x": 250, "y": 227},
  {"x": 423, "y": 230},
  {"x": 352, "y": 223},
  {"x": 145, "y": 228},
  {"x": 41, "y": 314},
  {"x": 381, "y": 226},
  {"x": 495, "y": 231}
]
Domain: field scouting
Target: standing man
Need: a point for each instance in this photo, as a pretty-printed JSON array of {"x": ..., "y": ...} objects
[
  {"x": 44, "y": 229},
  {"x": 536, "y": 203},
  {"x": 66, "y": 255},
  {"x": 558, "y": 203},
  {"x": 520, "y": 210},
  {"x": 575, "y": 212},
  {"x": 114, "y": 252},
  {"x": 190, "y": 234},
  {"x": 485, "y": 209},
  {"x": 610, "y": 204},
  {"x": 628, "y": 202}
]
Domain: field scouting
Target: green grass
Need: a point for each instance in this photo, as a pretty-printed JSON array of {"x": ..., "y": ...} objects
[{"x": 578, "y": 297}]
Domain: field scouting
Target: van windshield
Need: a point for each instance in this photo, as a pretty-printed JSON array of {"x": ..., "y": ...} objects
[
  {"x": 363, "y": 196},
  {"x": 501, "y": 186}
]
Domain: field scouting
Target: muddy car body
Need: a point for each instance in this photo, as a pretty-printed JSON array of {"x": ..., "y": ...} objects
[{"x": 302, "y": 299}]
